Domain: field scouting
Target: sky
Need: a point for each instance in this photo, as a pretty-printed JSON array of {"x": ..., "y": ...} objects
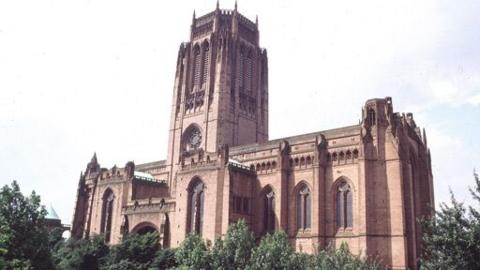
[{"x": 84, "y": 76}]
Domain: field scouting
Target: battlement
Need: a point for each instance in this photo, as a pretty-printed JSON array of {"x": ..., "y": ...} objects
[{"x": 222, "y": 18}]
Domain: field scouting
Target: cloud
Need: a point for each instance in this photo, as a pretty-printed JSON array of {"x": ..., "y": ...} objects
[{"x": 474, "y": 100}]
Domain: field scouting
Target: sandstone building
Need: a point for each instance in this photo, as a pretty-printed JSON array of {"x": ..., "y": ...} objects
[{"x": 364, "y": 184}]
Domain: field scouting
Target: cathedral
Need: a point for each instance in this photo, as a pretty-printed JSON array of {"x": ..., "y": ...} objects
[{"x": 365, "y": 184}]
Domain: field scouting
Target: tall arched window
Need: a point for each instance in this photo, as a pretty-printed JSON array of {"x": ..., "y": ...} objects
[
  {"x": 241, "y": 70},
  {"x": 269, "y": 210},
  {"x": 166, "y": 232},
  {"x": 205, "y": 64},
  {"x": 344, "y": 206},
  {"x": 248, "y": 71},
  {"x": 371, "y": 117},
  {"x": 196, "y": 66},
  {"x": 107, "y": 212},
  {"x": 304, "y": 200},
  {"x": 196, "y": 201}
]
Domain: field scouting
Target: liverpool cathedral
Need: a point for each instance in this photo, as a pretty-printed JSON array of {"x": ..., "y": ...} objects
[{"x": 365, "y": 184}]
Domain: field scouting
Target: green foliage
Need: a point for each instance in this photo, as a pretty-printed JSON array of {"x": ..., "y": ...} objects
[
  {"x": 136, "y": 250},
  {"x": 81, "y": 254},
  {"x": 274, "y": 252},
  {"x": 452, "y": 236},
  {"x": 55, "y": 237},
  {"x": 164, "y": 259},
  {"x": 341, "y": 258},
  {"x": 193, "y": 253},
  {"x": 23, "y": 236},
  {"x": 234, "y": 252}
]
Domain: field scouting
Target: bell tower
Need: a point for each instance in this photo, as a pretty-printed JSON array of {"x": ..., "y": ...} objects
[{"x": 220, "y": 94}]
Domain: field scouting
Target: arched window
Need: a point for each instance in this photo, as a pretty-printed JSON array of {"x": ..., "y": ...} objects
[
  {"x": 166, "y": 232},
  {"x": 107, "y": 212},
  {"x": 192, "y": 138},
  {"x": 248, "y": 71},
  {"x": 344, "y": 206},
  {"x": 241, "y": 70},
  {"x": 371, "y": 117},
  {"x": 269, "y": 210},
  {"x": 196, "y": 198},
  {"x": 205, "y": 64},
  {"x": 304, "y": 202},
  {"x": 196, "y": 66}
]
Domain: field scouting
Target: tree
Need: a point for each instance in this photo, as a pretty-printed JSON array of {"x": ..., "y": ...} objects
[
  {"x": 452, "y": 236},
  {"x": 193, "y": 253},
  {"x": 274, "y": 252},
  {"x": 164, "y": 259},
  {"x": 137, "y": 251},
  {"x": 341, "y": 258},
  {"x": 234, "y": 252},
  {"x": 84, "y": 254},
  {"x": 23, "y": 237}
]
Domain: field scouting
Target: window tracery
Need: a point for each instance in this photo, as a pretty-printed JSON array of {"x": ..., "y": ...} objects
[
  {"x": 303, "y": 208},
  {"x": 344, "y": 211},
  {"x": 107, "y": 211},
  {"x": 196, "y": 205},
  {"x": 269, "y": 210}
]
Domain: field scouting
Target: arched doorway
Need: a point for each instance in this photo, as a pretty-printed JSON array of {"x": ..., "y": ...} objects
[{"x": 144, "y": 228}]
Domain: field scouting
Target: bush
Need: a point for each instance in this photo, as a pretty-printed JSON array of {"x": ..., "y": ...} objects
[
  {"x": 81, "y": 254},
  {"x": 164, "y": 259},
  {"x": 137, "y": 250},
  {"x": 274, "y": 252},
  {"x": 193, "y": 253},
  {"x": 23, "y": 235},
  {"x": 341, "y": 258},
  {"x": 452, "y": 236},
  {"x": 234, "y": 252}
]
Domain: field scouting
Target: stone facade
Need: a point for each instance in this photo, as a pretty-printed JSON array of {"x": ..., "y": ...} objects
[{"x": 364, "y": 184}]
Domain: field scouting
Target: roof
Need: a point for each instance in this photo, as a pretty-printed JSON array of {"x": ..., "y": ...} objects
[
  {"x": 51, "y": 214},
  {"x": 143, "y": 176}
]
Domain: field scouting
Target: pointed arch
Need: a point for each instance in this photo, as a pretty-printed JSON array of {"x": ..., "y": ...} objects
[
  {"x": 268, "y": 196},
  {"x": 303, "y": 207},
  {"x": 166, "y": 232},
  {"x": 371, "y": 117},
  {"x": 108, "y": 199},
  {"x": 205, "y": 62},
  {"x": 196, "y": 67},
  {"x": 144, "y": 227},
  {"x": 196, "y": 201},
  {"x": 343, "y": 191}
]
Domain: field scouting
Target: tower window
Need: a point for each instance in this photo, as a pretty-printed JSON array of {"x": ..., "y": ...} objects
[
  {"x": 205, "y": 64},
  {"x": 196, "y": 66},
  {"x": 371, "y": 117},
  {"x": 247, "y": 84},
  {"x": 195, "y": 213},
  {"x": 107, "y": 212}
]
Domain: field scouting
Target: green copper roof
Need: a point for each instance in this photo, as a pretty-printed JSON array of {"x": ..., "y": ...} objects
[
  {"x": 51, "y": 214},
  {"x": 144, "y": 176}
]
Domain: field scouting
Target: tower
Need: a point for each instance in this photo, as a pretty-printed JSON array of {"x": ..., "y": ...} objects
[{"x": 220, "y": 94}]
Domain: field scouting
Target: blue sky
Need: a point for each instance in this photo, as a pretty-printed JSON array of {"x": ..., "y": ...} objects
[{"x": 84, "y": 76}]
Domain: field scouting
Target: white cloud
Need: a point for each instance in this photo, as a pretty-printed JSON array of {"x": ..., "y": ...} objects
[{"x": 474, "y": 100}]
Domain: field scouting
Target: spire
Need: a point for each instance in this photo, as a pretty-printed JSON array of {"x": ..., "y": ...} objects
[
  {"x": 236, "y": 6},
  {"x": 256, "y": 20},
  {"x": 193, "y": 18},
  {"x": 94, "y": 158},
  {"x": 218, "y": 5},
  {"x": 51, "y": 213}
]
